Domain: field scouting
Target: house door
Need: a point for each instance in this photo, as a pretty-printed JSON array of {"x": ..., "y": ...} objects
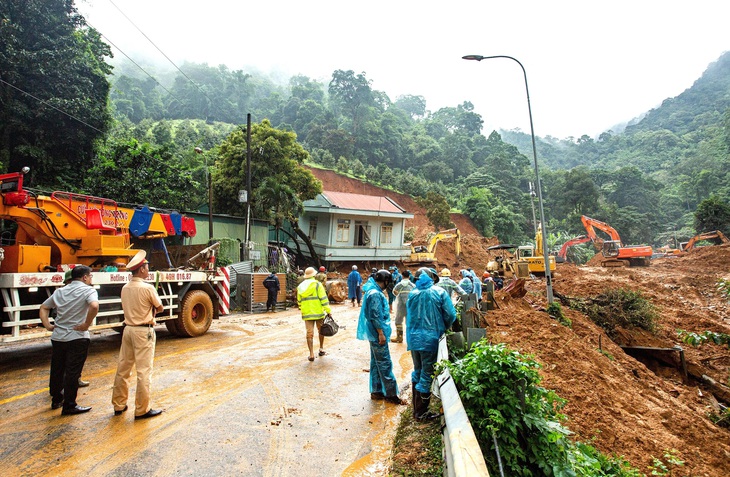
[{"x": 362, "y": 234}]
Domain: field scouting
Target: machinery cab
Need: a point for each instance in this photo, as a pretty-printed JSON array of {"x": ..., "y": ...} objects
[{"x": 611, "y": 248}]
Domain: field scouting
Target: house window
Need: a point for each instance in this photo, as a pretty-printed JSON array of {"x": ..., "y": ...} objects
[
  {"x": 386, "y": 232},
  {"x": 343, "y": 230},
  {"x": 313, "y": 228}
]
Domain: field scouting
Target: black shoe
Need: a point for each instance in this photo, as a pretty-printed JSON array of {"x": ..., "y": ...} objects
[
  {"x": 150, "y": 413},
  {"x": 377, "y": 396},
  {"x": 82, "y": 383},
  {"x": 56, "y": 405},
  {"x": 120, "y": 411},
  {"x": 395, "y": 400},
  {"x": 75, "y": 410}
]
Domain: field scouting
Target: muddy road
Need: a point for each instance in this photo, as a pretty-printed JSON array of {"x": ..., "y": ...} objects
[{"x": 240, "y": 400}]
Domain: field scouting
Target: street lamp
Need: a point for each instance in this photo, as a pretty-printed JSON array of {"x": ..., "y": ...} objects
[{"x": 546, "y": 257}]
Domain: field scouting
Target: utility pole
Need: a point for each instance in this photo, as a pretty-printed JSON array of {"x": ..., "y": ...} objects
[{"x": 248, "y": 184}]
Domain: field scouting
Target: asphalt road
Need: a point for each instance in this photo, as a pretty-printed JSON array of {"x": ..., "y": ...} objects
[{"x": 240, "y": 400}]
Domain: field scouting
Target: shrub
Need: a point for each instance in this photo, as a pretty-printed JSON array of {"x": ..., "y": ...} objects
[
  {"x": 620, "y": 308},
  {"x": 503, "y": 398}
]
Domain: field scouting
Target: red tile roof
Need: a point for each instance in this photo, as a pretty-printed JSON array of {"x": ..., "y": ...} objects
[{"x": 345, "y": 200}]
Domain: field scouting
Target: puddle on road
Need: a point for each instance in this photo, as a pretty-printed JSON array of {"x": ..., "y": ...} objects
[{"x": 377, "y": 462}]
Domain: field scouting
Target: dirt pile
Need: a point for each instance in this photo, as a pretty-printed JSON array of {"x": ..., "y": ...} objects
[
  {"x": 628, "y": 402},
  {"x": 634, "y": 403}
]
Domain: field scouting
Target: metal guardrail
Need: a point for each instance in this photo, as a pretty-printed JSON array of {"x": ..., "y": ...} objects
[{"x": 462, "y": 455}]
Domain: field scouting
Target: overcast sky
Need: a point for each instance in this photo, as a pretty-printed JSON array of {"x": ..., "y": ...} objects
[{"x": 590, "y": 64}]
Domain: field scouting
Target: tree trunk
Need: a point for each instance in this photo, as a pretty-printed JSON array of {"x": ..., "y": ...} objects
[{"x": 300, "y": 233}]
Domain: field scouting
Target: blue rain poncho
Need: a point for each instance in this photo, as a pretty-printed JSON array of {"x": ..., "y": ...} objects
[
  {"x": 354, "y": 280},
  {"x": 374, "y": 314},
  {"x": 466, "y": 282},
  {"x": 430, "y": 313},
  {"x": 477, "y": 284}
]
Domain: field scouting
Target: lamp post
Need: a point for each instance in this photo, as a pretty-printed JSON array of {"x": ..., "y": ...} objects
[{"x": 546, "y": 257}]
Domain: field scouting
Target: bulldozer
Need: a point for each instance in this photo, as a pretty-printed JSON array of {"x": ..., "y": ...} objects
[{"x": 426, "y": 254}]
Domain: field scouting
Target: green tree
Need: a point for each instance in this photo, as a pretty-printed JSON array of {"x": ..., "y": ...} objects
[
  {"x": 51, "y": 63},
  {"x": 276, "y": 157},
  {"x": 712, "y": 214},
  {"x": 478, "y": 207},
  {"x": 128, "y": 171},
  {"x": 352, "y": 95},
  {"x": 437, "y": 210}
]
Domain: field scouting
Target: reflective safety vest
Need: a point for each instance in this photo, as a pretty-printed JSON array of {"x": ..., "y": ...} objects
[{"x": 312, "y": 300}]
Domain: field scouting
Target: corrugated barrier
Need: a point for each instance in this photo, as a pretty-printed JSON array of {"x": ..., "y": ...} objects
[{"x": 462, "y": 454}]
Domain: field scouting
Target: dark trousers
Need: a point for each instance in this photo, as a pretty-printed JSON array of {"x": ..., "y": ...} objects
[
  {"x": 271, "y": 300},
  {"x": 382, "y": 379},
  {"x": 67, "y": 361},
  {"x": 358, "y": 295}
]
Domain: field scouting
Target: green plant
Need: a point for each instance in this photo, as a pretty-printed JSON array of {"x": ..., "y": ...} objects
[
  {"x": 619, "y": 308},
  {"x": 409, "y": 234},
  {"x": 555, "y": 311},
  {"x": 722, "y": 418},
  {"x": 417, "y": 447},
  {"x": 659, "y": 467},
  {"x": 698, "y": 339},
  {"x": 502, "y": 395}
]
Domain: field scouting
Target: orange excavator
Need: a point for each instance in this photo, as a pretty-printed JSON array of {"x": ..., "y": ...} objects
[
  {"x": 614, "y": 252},
  {"x": 715, "y": 236},
  {"x": 563, "y": 253}
]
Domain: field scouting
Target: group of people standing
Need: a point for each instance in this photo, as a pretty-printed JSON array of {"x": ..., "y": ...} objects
[
  {"x": 76, "y": 305},
  {"x": 422, "y": 300}
]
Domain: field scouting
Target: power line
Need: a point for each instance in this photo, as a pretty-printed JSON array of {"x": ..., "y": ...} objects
[
  {"x": 134, "y": 62},
  {"x": 52, "y": 106},
  {"x": 163, "y": 53}
]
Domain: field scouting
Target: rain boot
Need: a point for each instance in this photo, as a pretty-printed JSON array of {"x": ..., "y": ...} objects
[
  {"x": 398, "y": 338},
  {"x": 424, "y": 414},
  {"x": 416, "y": 399}
]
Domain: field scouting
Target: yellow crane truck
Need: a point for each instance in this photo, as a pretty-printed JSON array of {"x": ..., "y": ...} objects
[{"x": 44, "y": 236}]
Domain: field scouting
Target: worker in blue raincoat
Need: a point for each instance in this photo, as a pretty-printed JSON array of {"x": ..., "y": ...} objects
[
  {"x": 374, "y": 326},
  {"x": 430, "y": 313},
  {"x": 467, "y": 282},
  {"x": 477, "y": 284}
]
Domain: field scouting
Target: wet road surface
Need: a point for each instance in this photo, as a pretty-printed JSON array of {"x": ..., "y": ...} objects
[{"x": 240, "y": 400}]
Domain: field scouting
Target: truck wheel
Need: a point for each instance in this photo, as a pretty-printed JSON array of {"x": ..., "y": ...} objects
[
  {"x": 172, "y": 327},
  {"x": 196, "y": 314}
]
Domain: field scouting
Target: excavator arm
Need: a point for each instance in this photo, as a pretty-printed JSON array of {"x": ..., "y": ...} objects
[
  {"x": 443, "y": 235},
  {"x": 563, "y": 253},
  {"x": 592, "y": 224},
  {"x": 715, "y": 236}
]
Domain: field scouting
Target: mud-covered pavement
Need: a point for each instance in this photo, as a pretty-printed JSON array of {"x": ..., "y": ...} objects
[{"x": 241, "y": 400}]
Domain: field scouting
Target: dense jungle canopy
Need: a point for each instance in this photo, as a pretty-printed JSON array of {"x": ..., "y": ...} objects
[{"x": 131, "y": 133}]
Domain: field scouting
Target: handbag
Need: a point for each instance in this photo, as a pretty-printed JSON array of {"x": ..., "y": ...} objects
[{"x": 329, "y": 327}]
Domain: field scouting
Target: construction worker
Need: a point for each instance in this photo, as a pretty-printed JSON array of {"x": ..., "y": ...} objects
[
  {"x": 449, "y": 285},
  {"x": 477, "y": 284},
  {"x": 430, "y": 314},
  {"x": 321, "y": 276},
  {"x": 314, "y": 305},
  {"x": 401, "y": 291},
  {"x": 467, "y": 282}
]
